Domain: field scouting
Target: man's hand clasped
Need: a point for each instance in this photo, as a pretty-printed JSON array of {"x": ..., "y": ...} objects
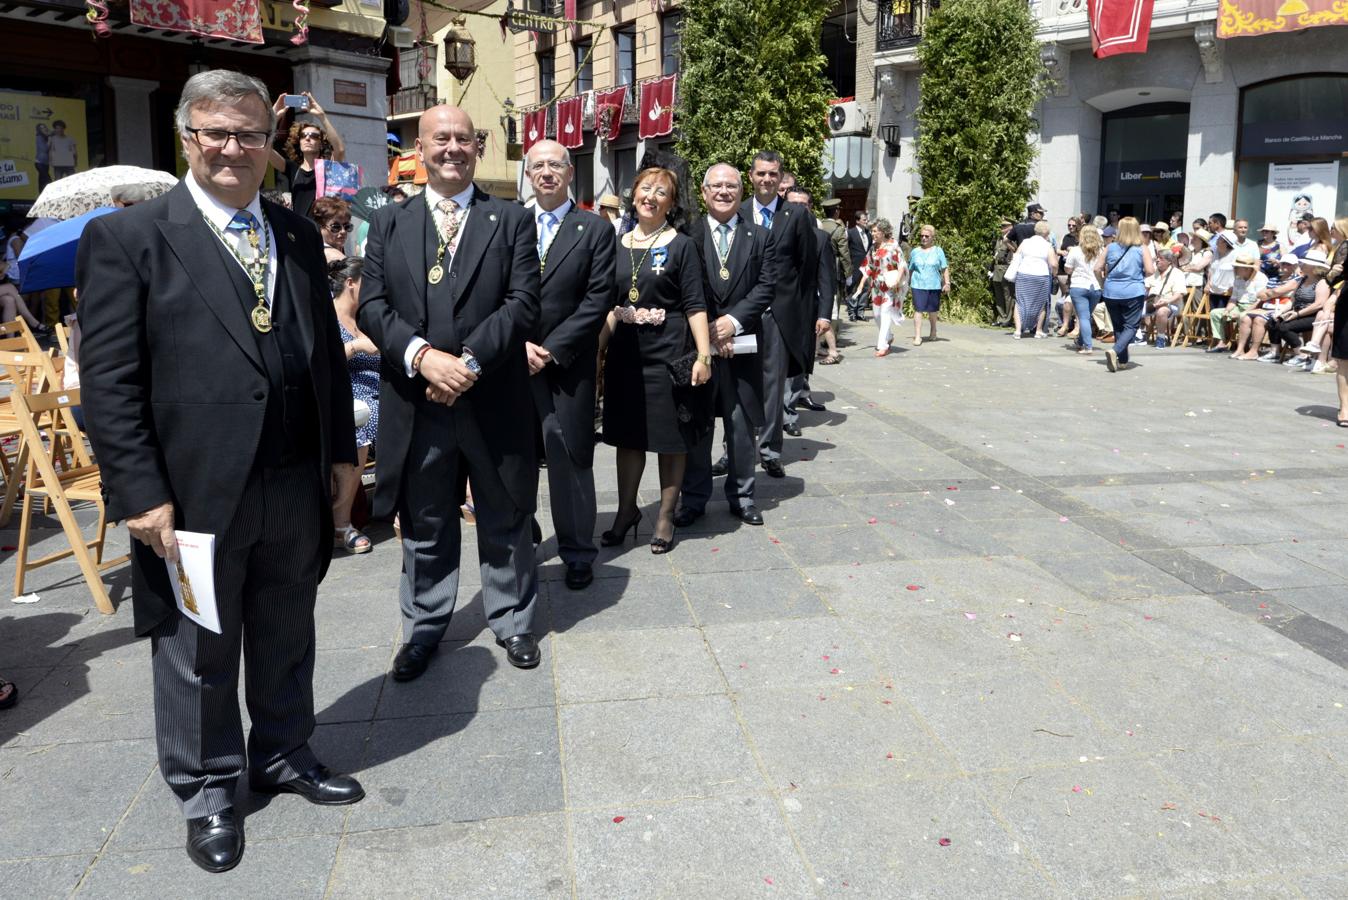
[{"x": 448, "y": 378}]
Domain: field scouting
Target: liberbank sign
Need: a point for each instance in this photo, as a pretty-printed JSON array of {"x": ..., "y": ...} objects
[
  {"x": 1296, "y": 138},
  {"x": 1142, "y": 176}
]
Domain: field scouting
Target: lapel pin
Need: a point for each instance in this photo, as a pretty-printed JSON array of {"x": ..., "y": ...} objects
[
  {"x": 580, "y": 227},
  {"x": 492, "y": 217},
  {"x": 290, "y": 235}
]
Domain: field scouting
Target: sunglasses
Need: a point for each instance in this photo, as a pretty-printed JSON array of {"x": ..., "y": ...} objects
[
  {"x": 334, "y": 227},
  {"x": 312, "y": 135}
]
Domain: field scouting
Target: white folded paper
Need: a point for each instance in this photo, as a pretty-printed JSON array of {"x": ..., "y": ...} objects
[
  {"x": 745, "y": 343},
  {"x": 193, "y": 578}
]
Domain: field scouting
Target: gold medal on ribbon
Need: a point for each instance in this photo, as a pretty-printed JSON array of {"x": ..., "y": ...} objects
[
  {"x": 634, "y": 294},
  {"x": 262, "y": 318},
  {"x": 435, "y": 274},
  {"x": 725, "y": 274}
]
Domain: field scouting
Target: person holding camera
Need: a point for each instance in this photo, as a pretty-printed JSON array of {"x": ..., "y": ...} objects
[{"x": 305, "y": 143}]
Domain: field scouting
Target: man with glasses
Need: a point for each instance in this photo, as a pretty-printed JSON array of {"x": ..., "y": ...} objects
[
  {"x": 217, "y": 401},
  {"x": 576, "y": 259}
]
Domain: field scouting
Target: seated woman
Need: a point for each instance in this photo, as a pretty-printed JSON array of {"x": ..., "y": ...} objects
[
  {"x": 333, "y": 216},
  {"x": 1310, "y": 297},
  {"x": 12, "y": 306},
  {"x": 362, "y": 362}
]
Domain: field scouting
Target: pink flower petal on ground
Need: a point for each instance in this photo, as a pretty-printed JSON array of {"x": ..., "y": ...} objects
[
  {"x": 952, "y": 489},
  {"x": 1263, "y": 606},
  {"x": 971, "y": 616},
  {"x": 1014, "y": 636},
  {"x": 1148, "y": 618},
  {"x": 1062, "y": 518},
  {"x": 872, "y": 520},
  {"x": 835, "y": 671},
  {"x": 825, "y": 656},
  {"x": 767, "y": 880},
  {"x": 944, "y": 842},
  {"x": 715, "y": 549},
  {"x": 914, "y": 587},
  {"x": 1076, "y": 789},
  {"x": 618, "y": 820}
]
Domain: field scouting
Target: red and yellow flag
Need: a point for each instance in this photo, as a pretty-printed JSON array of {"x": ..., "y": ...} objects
[{"x": 1247, "y": 18}]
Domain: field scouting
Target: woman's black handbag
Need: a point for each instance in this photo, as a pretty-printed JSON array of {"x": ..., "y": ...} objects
[{"x": 681, "y": 369}]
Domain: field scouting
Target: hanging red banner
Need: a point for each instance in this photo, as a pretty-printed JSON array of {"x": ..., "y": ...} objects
[
  {"x": 535, "y": 127},
  {"x": 608, "y": 113},
  {"x": 1119, "y": 26},
  {"x": 657, "y": 108},
  {"x": 237, "y": 20},
  {"x": 570, "y": 113},
  {"x": 1243, "y": 18}
]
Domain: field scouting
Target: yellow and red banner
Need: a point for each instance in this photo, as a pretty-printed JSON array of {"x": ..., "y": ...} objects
[{"x": 1248, "y": 18}]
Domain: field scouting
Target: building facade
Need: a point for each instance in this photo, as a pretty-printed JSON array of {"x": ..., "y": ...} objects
[
  {"x": 116, "y": 95},
  {"x": 1195, "y": 125}
]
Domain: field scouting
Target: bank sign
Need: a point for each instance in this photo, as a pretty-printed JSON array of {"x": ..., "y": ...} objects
[
  {"x": 1148, "y": 176},
  {"x": 1298, "y": 138}
]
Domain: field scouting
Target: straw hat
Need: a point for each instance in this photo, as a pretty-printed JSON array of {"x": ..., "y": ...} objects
[
  {"x": 1247, "y": 261},
  {"x": 610, "y": 201}
]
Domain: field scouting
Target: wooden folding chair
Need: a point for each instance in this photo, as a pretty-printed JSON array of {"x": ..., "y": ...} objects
[
  {"x": 27, "y": 373},
  {"x": 1195, "y": 322},
  {"x": 43, "y": 418}
]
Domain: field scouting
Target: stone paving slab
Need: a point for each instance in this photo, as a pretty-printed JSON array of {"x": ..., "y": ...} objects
[{"x": 973, "y": 652}]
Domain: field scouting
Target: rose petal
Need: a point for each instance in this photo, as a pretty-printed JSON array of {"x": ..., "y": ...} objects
[
  {"x": 944, "y": 842},
  {"x": 914, "y": 587},
  {"x": 971, "y": 616},
  {"x": 618, "y": 820},
  {"x": 872, "y": 520}
]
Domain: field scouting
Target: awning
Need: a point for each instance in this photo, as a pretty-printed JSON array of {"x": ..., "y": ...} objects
[{"x": 849, "y": 162}]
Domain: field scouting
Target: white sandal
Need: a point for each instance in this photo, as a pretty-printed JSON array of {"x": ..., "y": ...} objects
[{"x": 351, "y": 539}]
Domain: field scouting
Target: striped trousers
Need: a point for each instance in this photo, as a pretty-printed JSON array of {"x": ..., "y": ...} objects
[{"x": 266, "y": 580}]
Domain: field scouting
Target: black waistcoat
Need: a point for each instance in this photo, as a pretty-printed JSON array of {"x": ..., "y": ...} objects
[
  {"x": 440, "y": 297},
  {"x": 290, "y": 426}
]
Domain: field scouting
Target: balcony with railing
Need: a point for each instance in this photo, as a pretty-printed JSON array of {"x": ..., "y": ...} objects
[
  {"x": 416, "y": 74},
  {"x": 900, "y": 23}
]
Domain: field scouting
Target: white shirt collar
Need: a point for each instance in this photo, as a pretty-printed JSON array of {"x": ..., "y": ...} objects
[
  {"x": 771, "y": 207},
  {"x": 713, "y": 224},
  {"x": 464, "y": 197},
  {"x": 217, "y": 213},
  {"x": 560, "y": 212}
]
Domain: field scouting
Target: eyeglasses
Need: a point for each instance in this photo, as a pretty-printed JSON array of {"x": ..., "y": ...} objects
[
  {"x": 343, "y": 227},
  {"x": 724, "y": 186},
  {"x": 217, "y": 138},
  {"x": 312, "y": 136},
  {"x": 552, "y": 165}
]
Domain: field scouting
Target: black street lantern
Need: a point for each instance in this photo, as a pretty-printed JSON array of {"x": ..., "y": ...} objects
[
  {"x": 460, "y": 50},
  {"x": 889, "y": 133}
]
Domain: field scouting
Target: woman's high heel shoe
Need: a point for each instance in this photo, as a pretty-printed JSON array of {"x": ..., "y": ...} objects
[
  {"x": 659, "y": 545},
  {"x": 612, "y": 538}
]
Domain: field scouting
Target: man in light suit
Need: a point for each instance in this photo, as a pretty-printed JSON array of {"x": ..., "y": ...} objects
[
  {"x": 786, "y": 340},
  {"x": 217, "y": 401},
  {"x": 576, "y": 258},
  {"x": 737, "y": 280},
  {"x": 449, "y": 295}
]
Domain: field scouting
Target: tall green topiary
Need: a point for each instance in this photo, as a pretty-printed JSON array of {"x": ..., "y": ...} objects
[
  {"x": 981, "y": 81},
  {"x": 752, "y": 79}
]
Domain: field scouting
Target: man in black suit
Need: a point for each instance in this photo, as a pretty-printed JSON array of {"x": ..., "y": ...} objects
[
  {"x": 576, "y": 258},
  {"x": 217, "y": 401},
  {"x": 786, "y": 339},
  {"x": 824, "y": 281},
  {"x": 738, "y": 283},
  {"x": 450, "y": 295},
  {"x": 858, "y": 245}
]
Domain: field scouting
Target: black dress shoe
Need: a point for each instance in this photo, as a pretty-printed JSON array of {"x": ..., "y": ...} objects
[
  {"x": 719, "y": 468},
  {"x": 811, "y": 405},
  {"x": 685, "y": 517},
  {"x": 774, "y": 468},
  {"x": 749, "y": 515},
  {"x": 579, "y": 575},
  {"x": 791, "y": 429},
  {"x": 522, "y": 651},
  {"x": 412, "y": 660},
  {"x": 318, "y": 785},
  {"x": 215, "y": 843}
]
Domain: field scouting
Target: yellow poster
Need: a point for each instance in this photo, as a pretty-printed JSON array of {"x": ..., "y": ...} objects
[{"x": 41, "y": 139}]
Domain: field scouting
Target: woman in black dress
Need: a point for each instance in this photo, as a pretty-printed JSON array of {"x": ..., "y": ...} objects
[
  {"x": 659, "y": 323},
  {"x": 305, "y": 143}
]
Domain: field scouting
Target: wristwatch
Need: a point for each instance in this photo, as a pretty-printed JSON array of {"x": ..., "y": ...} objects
[
  {"x": 705, "y": 360},
  {"x": 471, "y": 362}
]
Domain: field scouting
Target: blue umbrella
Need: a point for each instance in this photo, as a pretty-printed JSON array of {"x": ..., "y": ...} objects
[{"x": 48, "y": 259}]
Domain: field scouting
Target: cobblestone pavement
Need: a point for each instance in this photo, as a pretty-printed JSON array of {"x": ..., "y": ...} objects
[{"x": 1015, "y": 627}]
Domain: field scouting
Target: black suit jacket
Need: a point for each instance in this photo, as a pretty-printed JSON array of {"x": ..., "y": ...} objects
[
  {"x": 797, "y": 253},
  {"x": 746, "y": 296},
  {"x": 493, "y": 292},
  {"x": 577, "y": 293},
  {"x": 857, "y": 246},
  {"x": 174, "y": 387}
]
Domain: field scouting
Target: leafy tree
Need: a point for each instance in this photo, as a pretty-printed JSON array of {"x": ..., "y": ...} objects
[
  {"x": 752, "y": 79},
  {"x": 981, "y": 81}
]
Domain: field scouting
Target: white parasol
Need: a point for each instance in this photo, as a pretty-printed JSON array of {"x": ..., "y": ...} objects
[{"x": 77, "y": 194}]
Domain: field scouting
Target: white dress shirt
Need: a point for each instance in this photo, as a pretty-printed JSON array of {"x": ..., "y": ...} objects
[
  {"x": 219, "y": 215},
  {"x": 734, "y": 222},
  {"x": 557, "y": 215},
  {"x": 465, "y": 199},
  {"x": 771, "y": 207}
]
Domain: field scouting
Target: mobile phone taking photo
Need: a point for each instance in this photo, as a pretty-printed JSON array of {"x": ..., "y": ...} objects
[{"x": 297, "y": 101}]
